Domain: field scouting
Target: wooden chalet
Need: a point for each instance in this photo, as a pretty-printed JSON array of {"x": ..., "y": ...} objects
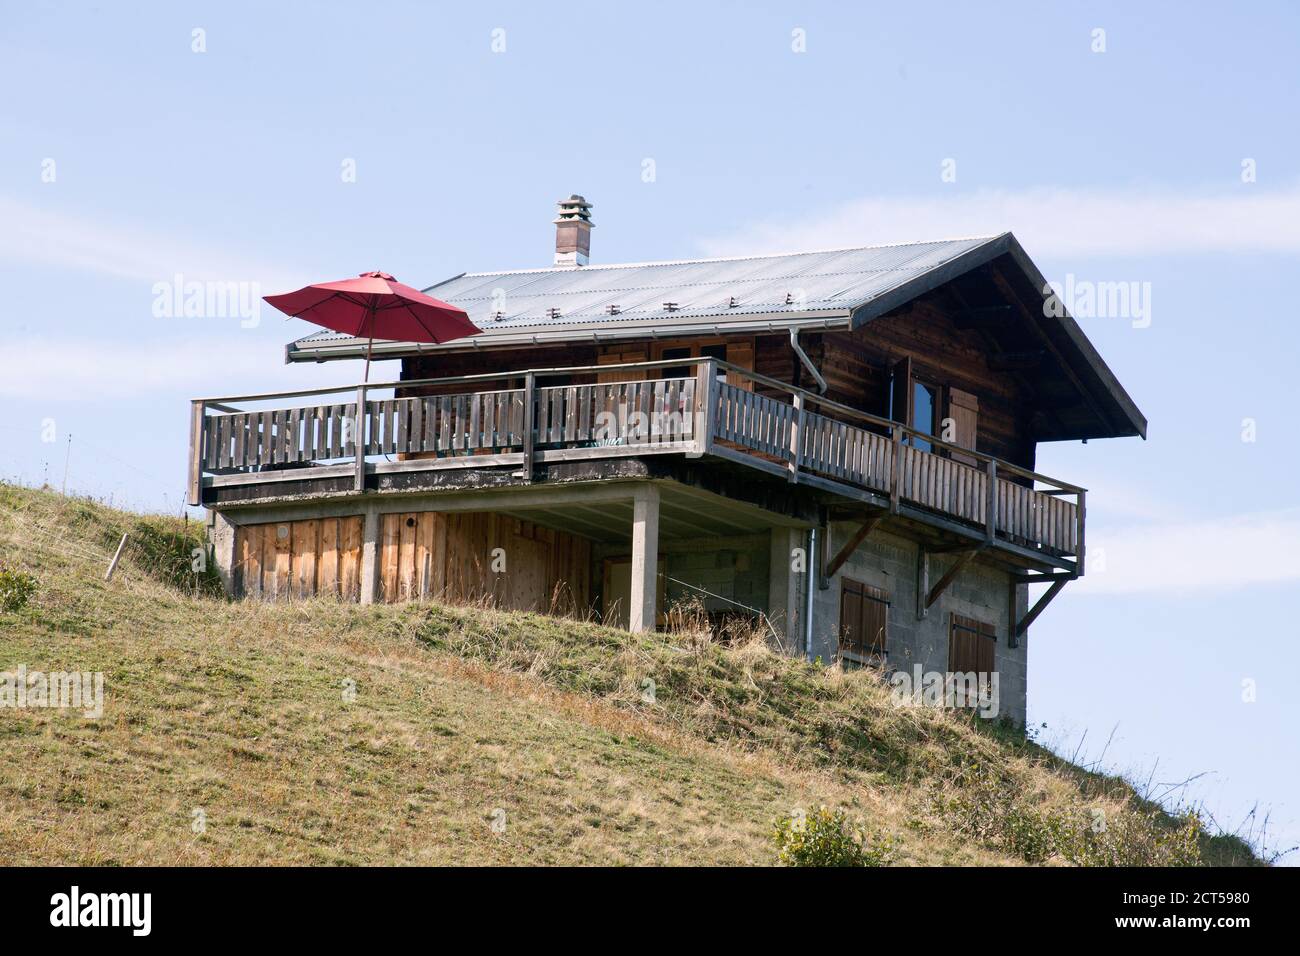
[{"x": 839, "y": 445}]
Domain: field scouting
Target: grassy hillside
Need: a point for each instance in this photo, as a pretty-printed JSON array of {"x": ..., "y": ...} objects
[{"x": 325, "y": 733}]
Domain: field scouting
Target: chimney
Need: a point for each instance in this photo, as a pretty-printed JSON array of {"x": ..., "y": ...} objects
[{"x": 573, "y": 232}]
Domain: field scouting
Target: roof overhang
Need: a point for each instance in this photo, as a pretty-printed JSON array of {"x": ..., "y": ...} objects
[{"x": 353, "y": 348}]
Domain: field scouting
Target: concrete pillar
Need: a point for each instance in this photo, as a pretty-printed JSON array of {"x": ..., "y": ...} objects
[
  {"x": 221, "y": 532},
  {"x": 370, "y": 556},
  {"x": 783, "y": 588},
  {"x": 645, "y": 559}
]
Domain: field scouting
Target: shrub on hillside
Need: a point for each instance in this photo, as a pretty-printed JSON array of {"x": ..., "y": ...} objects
[
  {"x": 178, "y": 559},
  {"x": 16, "y": 588},
  {"x": 826, "y": 838},
  {"x": 1001, "y": 813}
]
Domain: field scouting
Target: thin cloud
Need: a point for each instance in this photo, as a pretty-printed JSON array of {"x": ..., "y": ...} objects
[
  {"x": 44, "y": 236},
  {"x": 1048, "y": 221},
  {"x": 1213, "y": 556},
  {"x": 100, "y": 371}
]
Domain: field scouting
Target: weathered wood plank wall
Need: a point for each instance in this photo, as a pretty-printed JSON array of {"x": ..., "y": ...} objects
[
  {"x": 299, "y": 559},
  {"x": 454, "y": 557}
]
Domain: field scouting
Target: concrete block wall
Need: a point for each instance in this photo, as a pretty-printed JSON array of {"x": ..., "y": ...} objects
[
  {"x": 733, "y": 569},
  {"x": 980, "y": 591}
]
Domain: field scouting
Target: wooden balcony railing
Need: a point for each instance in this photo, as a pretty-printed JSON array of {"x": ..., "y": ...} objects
[
  {"x": 719, "y": 410},
  {"x": 893, "y": 465}
]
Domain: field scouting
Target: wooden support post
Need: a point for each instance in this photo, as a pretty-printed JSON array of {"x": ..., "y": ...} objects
[
  {"x": 706, "y": 406},
  {"x": 1041, "y": 604},
  {"x": 370, "y": 555},
  {"x": 991, "y": 508},
  {"x": 796, "y": 437},
  {"x": 112, "y": 565},
  {"x": 950, "y": 575},
  {"x": 645, "y": 559},
  {"x": 823, "y": 549},
  {"x": 1013, "y": 612},
  {"x": 896, "y": 469},
  {"x": 852, "y": 544},
  {"x": 196, "y": 453},
  {"x": 359, "y": 436},
  {"x": 1081, "y": 518},
  {"x": 922, "y": 582},
  {"x": 530, "y": 425}
]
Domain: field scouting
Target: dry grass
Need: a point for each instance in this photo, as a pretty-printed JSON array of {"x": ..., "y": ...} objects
[{"x": 242, "y": 711}]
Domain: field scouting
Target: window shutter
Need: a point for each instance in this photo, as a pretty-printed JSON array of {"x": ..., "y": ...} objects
[
  {"x": 864, "y": 619},
  {"x": 616, "y": 357},
  {"x": 875, "y": 619},
  {"x": 900, "y": 408},
  {"x": 963, "y": 409},
  {"x": 971, "y": 645},
  {"x": 850, "y": 615},
  {"x": 742, "y": 354}
]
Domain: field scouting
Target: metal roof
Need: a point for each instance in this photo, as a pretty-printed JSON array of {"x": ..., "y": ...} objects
[{"x": 581, "y": 302}]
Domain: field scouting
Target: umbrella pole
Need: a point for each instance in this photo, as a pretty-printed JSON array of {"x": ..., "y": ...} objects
[{"x": 370, "y": 343}]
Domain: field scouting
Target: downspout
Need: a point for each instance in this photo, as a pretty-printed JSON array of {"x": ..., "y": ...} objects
[
  {"x": 811, "y": 588},
  {"x": 807, "y": 362}
]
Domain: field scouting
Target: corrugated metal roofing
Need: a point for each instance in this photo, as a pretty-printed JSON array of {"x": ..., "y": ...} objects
[{"x": 705, "y": 291}]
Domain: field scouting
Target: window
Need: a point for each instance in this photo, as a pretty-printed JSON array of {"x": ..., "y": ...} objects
[
  {"x": 677, "y": 371},
  {"x": 864, "y": 622},
  {"x": 914, "y": 403},
  {"x": 719, "y": 352},
  {"x": 925, "y": 400},
  {"x": 736, "y": 351}
]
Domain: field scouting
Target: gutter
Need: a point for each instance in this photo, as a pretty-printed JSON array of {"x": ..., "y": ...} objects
[
  {"x": 807, "y": 362},
  {"x": 351, "y": 348},
  {"x": 810, "y": 577}
]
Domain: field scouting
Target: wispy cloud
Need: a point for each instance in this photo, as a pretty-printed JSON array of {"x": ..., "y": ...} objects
[
  {"x": 1210, "y": 556},
  {"x": 101, "y": 371},
  {"x": 45, "y": 236},
  {"x": 1048, "y": 221}
]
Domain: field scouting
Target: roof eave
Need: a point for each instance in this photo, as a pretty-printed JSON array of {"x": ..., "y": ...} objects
[{"x": 757, "y": 324}]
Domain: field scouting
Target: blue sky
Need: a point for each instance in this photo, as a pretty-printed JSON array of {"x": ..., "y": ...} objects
[{"x": 1117, "y": 165}]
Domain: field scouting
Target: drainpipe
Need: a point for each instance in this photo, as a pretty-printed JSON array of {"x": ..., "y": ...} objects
[
  {"x": 807, "y": 362},
  {"x": 811, "y": 588}
]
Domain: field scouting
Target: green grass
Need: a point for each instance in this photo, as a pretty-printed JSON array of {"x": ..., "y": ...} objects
[{"x": 464, "y": 719}]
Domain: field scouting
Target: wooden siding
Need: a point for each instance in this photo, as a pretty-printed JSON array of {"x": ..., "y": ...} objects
[
  {"x": 857, "y": 368},
  {"x": 299, "y": 559},
  {"x": 450, "y": 558}
]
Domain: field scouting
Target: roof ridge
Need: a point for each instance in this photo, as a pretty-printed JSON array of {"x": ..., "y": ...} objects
[{"x": 745, "y": 258}]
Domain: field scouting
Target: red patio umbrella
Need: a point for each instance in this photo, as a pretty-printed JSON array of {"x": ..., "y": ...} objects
[{"x": 375, "y": 305}]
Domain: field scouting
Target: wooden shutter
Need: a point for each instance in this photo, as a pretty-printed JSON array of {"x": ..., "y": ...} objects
[
  {"x": 901, "y": 407},
  {"x": 875, "y": 622},
  {"x": 850, "y": 615},
  {"x": 971, "y": 645},
  {"x": 741, "y": 353},
  {"x": 864, "y": 619},
  {"x": 963, "y": 409},
  {"x": 615, "y": 356}
]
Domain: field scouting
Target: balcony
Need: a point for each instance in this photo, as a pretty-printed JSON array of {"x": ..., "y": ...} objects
[{"x": 299, "y": 445}]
